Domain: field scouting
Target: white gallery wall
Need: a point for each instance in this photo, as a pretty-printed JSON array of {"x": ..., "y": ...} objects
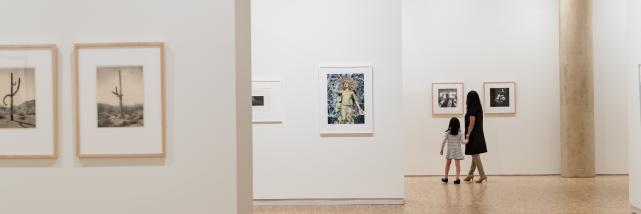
[
  {"x": 200, "y": 172},
  {"x": 610, "y": 103},
  {"x": 508, "y": 40},
  {"x": 476, "y": 41},
  {"x": 292, "y": 160},
  {"x": 634, "y": 105}
]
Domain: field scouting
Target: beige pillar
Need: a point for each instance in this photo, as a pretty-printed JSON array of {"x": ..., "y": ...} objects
[
  {"x": 577, "y": 91},
  {"x": 244, "y": 174}
]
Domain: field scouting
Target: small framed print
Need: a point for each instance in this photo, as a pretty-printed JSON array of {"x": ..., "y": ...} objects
[
  {"x": 346, "y": 99},
  {"x": 29, "y": 107},
  {"x": 120, "y": 101},
  {"x": 448, "y": 98},
  {"x": 266, "y": 101},
  {"x": 500, "y": 97}
]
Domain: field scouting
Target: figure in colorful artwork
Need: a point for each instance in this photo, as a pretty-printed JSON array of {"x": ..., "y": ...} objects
[{"x": 347, "y": 101}]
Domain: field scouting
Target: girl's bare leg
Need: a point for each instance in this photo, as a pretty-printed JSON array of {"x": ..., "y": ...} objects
[
  {"x": 447, "y": 167},
  {"x": 458, "y": 168}
]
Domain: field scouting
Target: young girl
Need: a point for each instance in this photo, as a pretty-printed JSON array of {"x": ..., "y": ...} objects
[{"x": 454, "y": 138}]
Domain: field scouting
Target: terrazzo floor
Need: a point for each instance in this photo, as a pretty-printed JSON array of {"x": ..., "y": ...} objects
[{"x": 501, "y": 194}]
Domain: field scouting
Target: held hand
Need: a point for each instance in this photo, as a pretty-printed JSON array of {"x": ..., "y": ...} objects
[{"x": 441, "y": 152}]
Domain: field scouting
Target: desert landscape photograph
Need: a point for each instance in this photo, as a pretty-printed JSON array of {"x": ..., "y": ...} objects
[
  {"x": 120, "y": 96},
  {"x": 18, "y": 107}
]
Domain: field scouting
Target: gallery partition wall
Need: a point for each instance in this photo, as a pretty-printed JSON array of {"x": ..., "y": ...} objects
[
  {"x": 190, "y": 154},
  {"x": 338, "y": 64}
]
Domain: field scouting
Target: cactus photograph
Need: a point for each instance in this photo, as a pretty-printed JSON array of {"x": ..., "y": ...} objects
[
  {"x": 120, "y": 96},
  {"x": 18, "y": 107}
]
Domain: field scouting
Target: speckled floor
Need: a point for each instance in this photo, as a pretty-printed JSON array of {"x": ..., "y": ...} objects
[{"x": 502, "y": 194}]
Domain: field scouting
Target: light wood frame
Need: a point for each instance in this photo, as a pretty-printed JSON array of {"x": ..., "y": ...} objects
[
  {"x": 462, "y": 98},
  {"x": 486, "y": 106},
  {"x": 54, "y": 79},
  {"x": 77, "y": 48}
]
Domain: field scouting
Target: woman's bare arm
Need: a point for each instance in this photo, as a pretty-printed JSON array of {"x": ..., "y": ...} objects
[{"x": 470, "y": 127}]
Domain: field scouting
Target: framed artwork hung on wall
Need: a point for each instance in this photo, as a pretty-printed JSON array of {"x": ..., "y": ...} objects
[
  {"x": 29, "y": 107},
  {"x": 448, "y": 98},
  {"x": 266, "y": 100},
  {"x": 346, "y": 99},
  {"x": 120, "y": 101},
  {"x": 499, "y": 97}
]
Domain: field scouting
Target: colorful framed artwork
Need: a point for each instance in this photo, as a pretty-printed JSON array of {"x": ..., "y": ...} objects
[
  {"x": 499, "y": 97},
  {"x": 120, "y": 101},
  {"x": 346, "y": 100},
  {"x": 448, "y": 98},
  {"x": 266, "y": 100},
  {"x": 29, "y": 108}
]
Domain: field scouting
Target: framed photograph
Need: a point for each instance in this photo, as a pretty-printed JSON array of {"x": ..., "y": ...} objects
[
  {"x": 448, "y": 98},
  {"x": 29, "y": 108},
  {"x": 120, "y": 102},
  {"x": 499, "y": 97},
  {"x": 266, "y": 101},
  {"x": 346, "y": 99}
]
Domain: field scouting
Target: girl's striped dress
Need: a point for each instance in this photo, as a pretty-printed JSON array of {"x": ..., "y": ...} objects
[{"x": 454, "y": 150}]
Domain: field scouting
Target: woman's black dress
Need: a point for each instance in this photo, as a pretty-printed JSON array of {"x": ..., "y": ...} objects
[{"x": 476, "y": 144}]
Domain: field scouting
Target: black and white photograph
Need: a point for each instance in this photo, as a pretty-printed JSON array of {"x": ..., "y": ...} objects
[
  {"x": 120, "y": 96},
  {"x": 499, "y": 97},
  {"x": 266, "y": 100},
  {"x": 448, "y": 98},
  {"x": 258, "y": 100},
  {"x": 120, "y": 100},
  {"x": 18, "y": 90}
]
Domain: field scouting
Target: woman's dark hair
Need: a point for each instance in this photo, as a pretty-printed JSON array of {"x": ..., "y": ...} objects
[
  {"x": 474, "y": 102},
  {"x": 454, "y": 127}
]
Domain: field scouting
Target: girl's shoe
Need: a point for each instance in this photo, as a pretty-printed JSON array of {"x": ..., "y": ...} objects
[
  {"x": 481, "y": 180},
  {"x": 457, "y": 181},
  {"x": 445, "y": 180},
  {"x": 469, "y": 178}
]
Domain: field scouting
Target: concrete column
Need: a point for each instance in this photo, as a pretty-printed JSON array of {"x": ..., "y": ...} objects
[{"x": 577, "y": 90}]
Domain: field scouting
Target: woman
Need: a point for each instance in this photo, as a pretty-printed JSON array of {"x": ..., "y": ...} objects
[{"x": 475, "y": 136}]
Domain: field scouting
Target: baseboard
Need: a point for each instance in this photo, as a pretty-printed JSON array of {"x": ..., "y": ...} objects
[
  {"x": 340, "y": 201},
  {"x": 428, "y": 175},
  {"x": 636, "y": 210}
]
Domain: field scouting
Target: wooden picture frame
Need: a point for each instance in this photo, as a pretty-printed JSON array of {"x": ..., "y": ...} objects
[
  {"x": 40, "y": 57},
  {"x": 505, "y": 105},
  {"x": 454, "y": 106},
  {"x": 159, "y": 125}
]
